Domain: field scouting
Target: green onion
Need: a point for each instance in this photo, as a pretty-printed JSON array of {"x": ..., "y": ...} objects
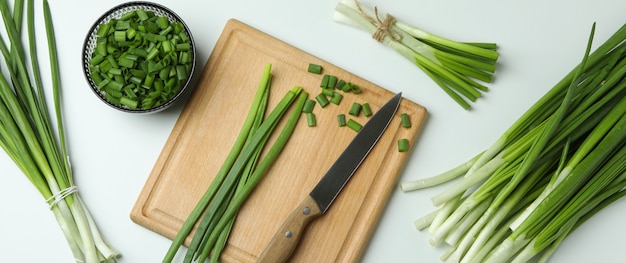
[
  {"x": 310, "y": 119},
  {"x": 314, "y": 68},
  {"x": 324, "y": 83},
  {"x": 560, "y": 163},
  {"x": 256, "y": 109},
  {"x": 347, "y": 87},
  {"x": 103, "y": 30},
  {"x": 309, "y": 105},
  {"x": 336, "y": 98},
  {"x": 215, "y": 211},
  {"x": 403, "y": 145},
  {"x": 35, "y": 140},
  {"x": 450, "y": 64},
  {"x": 340, "y": 84},
  {"x": 119, "y": 36},
  {"x": 332, "y": 82},
  {"x": 322, "y": 100},
  {"x": 128, "y": 15},
  {"x": 327, "y": 92},
  {"x": 367, "y": 111},
  {"x": 147, "y": 43},
  {"x": 183, "y": 47},
  {"x": 355, "y": 109},
  {"x": 405, "y": 120},
  {"x": 210, "y": 238},
  {"x": 341, "y": 120},
  {"x": 130, "y": 103},
  {"x": 354, "y": 125},
  {"x": 356, "y": 89}
]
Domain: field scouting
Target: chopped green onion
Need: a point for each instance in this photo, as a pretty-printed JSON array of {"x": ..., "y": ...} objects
[
  {"x": 96, "y": 77},
  {"x": 162, "y": 22},
  {"x": 403, "y": 145},
  {"x": 103, "y": 83},
  {"x": 166, "y": 46},
  {"x": 101, "y": 47},
  {"x": 354, "y": 125},
  {"x": 367, "y": 110},
  {"x": 347, "y": 87},
  {"x": 141, "y": 14},
  {"x": 355, "y": 109},
  {"x": 314, "y": 68},
  {"x": 341, "y": 120},
  {"x": 183, "y": 47},
  {"x": 356, "y": 89},
  {"x": 322, "y": 100},
  {"x": 181, "y": 72},
  {"x": 324, "y": 83},
  {"x": 126, "y": 62},
  {"x": 122, "y": 25},
  {"x": 332, "y": 82},
  {"x": 340, "y": 84},
  {"x": 148, "y": 43},
  {"x": 310, "y": 119},
  {"x": 119, "y": 36},
  {"x": 184, "y": 58},
  {"x": 147, "y": 82},
  {"x": 115, "y": 85},
  {"x": 97, "y": 59},
  {"x": 309, "y": 105},
  {"x": 103, "y": 30},
  {"x": 152, "y": 54},
  {"x": 136, "y": 80},
  {"x": 406, "y": 121},
  {"x": 115, "y": 71},
  {"x": 128, "y": 15},
  {"x": 126, "y": 101},
  {"x": 131, "y": 33},
  {"x": 336, "y": 98},
  {"x": 328, "y": 92},
  {"x": 112, "y": 61}
]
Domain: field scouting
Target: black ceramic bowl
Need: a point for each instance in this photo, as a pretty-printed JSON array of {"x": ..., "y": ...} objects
[{"x": 89, "y": 49}]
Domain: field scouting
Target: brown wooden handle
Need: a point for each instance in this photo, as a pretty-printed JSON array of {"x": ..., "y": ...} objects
[{"x": 289, "y": 234}]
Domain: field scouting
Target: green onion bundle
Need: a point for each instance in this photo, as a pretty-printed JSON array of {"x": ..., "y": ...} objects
[
  {"x": 555, "y": 167},
  {"x": 28, "y": 136},
  {"x": 215, "y": 213},
  {"x": 456, "y": 67}
]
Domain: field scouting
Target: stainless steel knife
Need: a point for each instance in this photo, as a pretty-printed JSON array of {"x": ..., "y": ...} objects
[{"x": 284, "y": 242}]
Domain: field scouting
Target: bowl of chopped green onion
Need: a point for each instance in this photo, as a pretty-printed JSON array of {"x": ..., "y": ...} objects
[{"x": 139, "y": 57}]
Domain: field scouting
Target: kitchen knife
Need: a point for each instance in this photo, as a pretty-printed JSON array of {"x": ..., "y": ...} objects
[{"x": 284, "y": 242}]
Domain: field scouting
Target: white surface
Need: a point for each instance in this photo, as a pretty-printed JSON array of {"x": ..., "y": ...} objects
[{"x": 113, "y": 152}]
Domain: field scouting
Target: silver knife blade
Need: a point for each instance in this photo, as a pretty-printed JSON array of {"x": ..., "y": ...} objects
[{"x": 351, "y": 158}]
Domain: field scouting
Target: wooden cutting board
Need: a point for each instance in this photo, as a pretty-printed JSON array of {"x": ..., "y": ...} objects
[{"x": 210, "y": 122}]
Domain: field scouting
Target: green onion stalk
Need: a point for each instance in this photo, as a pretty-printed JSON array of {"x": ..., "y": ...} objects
[
  {"x": 215, "y": 213},
  {"x": 30, "y": 139},
  {"x": 461, "y": 69},
  {"x": 559, "y": 164}
]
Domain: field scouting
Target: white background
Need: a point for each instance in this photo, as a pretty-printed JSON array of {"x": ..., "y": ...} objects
[{"x": 113, "y": 152}]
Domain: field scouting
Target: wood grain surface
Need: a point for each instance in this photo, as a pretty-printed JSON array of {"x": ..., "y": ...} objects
[{"x": 211, "y": 120}]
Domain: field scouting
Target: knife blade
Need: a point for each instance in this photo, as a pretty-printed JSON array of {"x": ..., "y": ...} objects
[{"x": 285, "y": 240}]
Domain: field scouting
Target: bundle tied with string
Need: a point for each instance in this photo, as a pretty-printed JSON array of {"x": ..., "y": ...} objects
[
  {"x": 28, "y": 136},
  {"x": 384, "y": 28},
  {"x": 58, "y": 197},
  {"x": 456, "y": 67}
]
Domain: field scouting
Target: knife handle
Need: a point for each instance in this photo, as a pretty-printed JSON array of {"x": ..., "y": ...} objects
[{"x": 289, "y": 234}]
